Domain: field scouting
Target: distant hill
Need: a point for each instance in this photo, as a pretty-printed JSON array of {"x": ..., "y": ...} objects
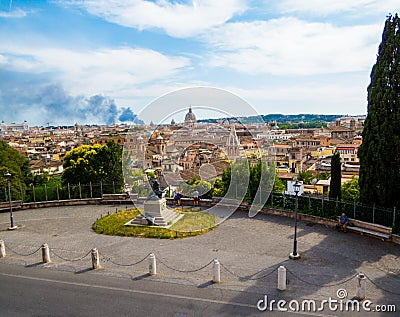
[{"x": 282, "y": 118}]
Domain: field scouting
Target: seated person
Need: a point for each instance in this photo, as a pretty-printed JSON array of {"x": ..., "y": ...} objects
[
  {"x": 127, "y": 191},
  {"x": 343, "y": 222}
]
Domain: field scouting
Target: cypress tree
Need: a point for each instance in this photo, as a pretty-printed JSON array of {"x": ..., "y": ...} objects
[
  {"x": 336, "y": 177},
  {"x": 380, "y": 151}
]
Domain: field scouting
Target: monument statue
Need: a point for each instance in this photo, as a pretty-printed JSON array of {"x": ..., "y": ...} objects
[
  {"x": 155, "y": 192},
  {"x": 155, "y": 211}
]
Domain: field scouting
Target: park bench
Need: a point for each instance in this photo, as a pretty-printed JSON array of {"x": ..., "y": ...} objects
[
  {"x": 114, "y": 197},
  {"x": 370, "y": 229},
  {"x": 5, "y": 206},
  {"x": 119, "y": 197}
]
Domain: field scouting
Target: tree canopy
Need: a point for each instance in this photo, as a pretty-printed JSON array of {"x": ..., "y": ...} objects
[
  {"x": 17, "y": 165},
  {"x": 246, "y": 181},
  {"x": 351, "y": 190},
  {"x": 93, "y": 163},
  {"x": 380, "y": 151}
]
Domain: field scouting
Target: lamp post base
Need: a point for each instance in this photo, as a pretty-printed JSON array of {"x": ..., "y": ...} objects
[
  {"x": 294, "y": 257},
  {"x": 13, "y": 228}
]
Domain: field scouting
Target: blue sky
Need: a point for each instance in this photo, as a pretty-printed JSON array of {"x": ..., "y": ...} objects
[{"x": 94, "y": 61}]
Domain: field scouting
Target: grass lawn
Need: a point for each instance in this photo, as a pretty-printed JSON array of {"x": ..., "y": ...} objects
[{"x": 191, "y": 224}]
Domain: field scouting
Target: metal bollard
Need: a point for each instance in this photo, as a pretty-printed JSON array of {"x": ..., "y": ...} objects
[
  {"x": 361, "y": 287},
  {"x": 95, "y": 259},
  {"x": 2, "y": 249},
  {"x": 281, "y": 278},
  {"x": 46, "y": 253},
  {"x": 152, "y": 264},
  {"x": 217, "y": 271}
]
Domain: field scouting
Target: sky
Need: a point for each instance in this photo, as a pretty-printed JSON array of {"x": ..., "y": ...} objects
[{"x": 97, "y": 61}]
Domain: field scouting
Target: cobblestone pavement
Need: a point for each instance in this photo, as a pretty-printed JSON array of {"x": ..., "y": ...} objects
[{"x": 249, "y": 249}]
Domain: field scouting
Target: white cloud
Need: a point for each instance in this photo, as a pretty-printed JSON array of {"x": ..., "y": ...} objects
[
  {"x": 324, "y": 7},
  {"x": 308, "y": 97},
  {"x": 288, "y": 46},
  {"x": 105, "y": 71},
  {"x": 16, "y": 13},
  {"x": 175, "y": 18}
]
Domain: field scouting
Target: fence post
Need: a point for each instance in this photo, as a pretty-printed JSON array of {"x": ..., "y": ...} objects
[
  {"x": 394, "y": 216},
  {"x": 361, "y": 287},
  {"x": 101, "y": 189},
  {"x": 91, "y": 192},
  {"x": 34, "y": 196},
  {"x": 281, "y": 278},
  {"x": 80, "y": 191},
  {"x": 2, "y": 249},
  {"x": 322, "y": 203},
  {"x": 373, "y": 213},
  {"x": 69, "y": 192},
  {"x": 152, "y": 264},
  {"x": 22, "y": 196},
  {"x": 217, "y": 271},
  {"x": 95, "y": 259},
  {"x": 354, "y": 210},
  {"x": 272, "y": 199},
  {"x": 45, "y": 253},
  {"x": 114, "y": 187},
  {"x": 58, "y": 193},
  {"x": 45, "y": 191}
]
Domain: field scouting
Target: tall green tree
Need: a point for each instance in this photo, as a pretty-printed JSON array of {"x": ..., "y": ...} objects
[
  {"x": 380, "y": 151},
  {"x": 242, "y": 180},
  {"x": 93, "y": 163},
  {"x": 336, "y": 177},
  {"x": 17, "y": 165},
  {"x": 279, "y": 185},
  {"x": 306, "y": 177}
]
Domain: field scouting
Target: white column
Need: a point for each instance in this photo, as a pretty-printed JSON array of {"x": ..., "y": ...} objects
[
  {"x": 2, "y": 249},
  {"x": 46, "y": 253},
  {"x": 95, "y": 259},
  {"x": 361, "y": 287},
  {"x": 216, "y": 271},
  {"x": 281, "y": 278},
  {"x": 152, "y": 264}
]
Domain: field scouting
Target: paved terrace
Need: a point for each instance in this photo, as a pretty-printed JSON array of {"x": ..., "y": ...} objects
[{"x": 250, "y": 250}]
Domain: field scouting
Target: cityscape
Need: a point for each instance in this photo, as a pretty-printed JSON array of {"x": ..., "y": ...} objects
[{"x": 166, "y": 147}]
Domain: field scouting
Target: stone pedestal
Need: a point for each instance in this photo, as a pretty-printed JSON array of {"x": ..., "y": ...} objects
[
  {"x": 156, "y": 213},
  {"x": 155, "y": 208}
]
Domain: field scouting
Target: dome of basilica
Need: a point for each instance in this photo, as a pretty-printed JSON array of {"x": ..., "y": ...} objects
[{"x": 190, "y": 117}]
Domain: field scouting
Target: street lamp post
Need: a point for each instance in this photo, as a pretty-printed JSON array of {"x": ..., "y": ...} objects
[
  {"x": 7, "y": 175},
  {"x": 294, "y": 255}
]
